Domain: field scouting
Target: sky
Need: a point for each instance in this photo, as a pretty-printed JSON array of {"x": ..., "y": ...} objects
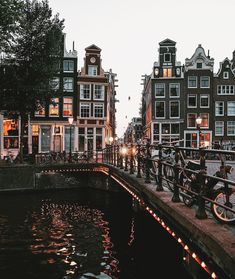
[{"x": 129, "y": 31}]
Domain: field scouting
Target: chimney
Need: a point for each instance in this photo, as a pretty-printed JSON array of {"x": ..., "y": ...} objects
[
  {"x": 73, "y": 45},
  {"x": 233, "y": 59},
  {"x": 208, "y": 55}
]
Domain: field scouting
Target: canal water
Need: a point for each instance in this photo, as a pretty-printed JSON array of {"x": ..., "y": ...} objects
[{"x": 83, "y": 234}]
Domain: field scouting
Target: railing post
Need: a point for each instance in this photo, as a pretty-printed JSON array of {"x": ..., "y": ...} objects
[
  {"x": 147, "y": 163},
  {"x": 131, "y": 160},
  {"x": 118, "y": 156},
  {"x": 138, "y": 162},
  {"x": 114, "y": 156},
  {"x": 201, "y": 211},
  {"x": 176, "y": 197},
  {"x": 126, "y": 158},
  {"x": 121, "y": 157},
  {"x": 159, "y": 185}
]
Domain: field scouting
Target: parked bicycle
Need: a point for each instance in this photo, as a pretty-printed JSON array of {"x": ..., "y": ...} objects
[{"x": 219, "y": 198}]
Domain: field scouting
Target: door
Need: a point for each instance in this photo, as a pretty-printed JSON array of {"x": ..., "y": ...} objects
[{"x": 57, "y": 143}]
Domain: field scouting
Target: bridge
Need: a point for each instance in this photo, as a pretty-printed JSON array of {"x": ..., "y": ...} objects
[{"x": 156, "y": 184}]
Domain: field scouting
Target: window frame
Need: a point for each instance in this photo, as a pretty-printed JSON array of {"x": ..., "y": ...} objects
[
  {"x": 80, "y": 107},
  {"x": 164, "y": 90},
  {"x": 170, "y": 110},
  {"x": 204, "y": 96},
  {"x": 69, "y": 104},
  {"x": 216, "y": 114},
  {"x": 96, "y": 105},
  {"x": 201, "y": 77},
  {"x": 195, "y": 81},
  {"x": 161, "y": 117},
  {"x": 171, "y": 86},
  {"x": 82, "y": 91},
  {"x": 221, "y": 126},
  {"x": 191, "y": 95}
]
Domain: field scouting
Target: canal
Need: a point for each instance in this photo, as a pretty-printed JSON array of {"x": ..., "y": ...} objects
[{"x": 83, "y": 233}]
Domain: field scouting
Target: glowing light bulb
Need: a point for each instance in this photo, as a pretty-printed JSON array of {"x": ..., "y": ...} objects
[
  {"x": 203, "y": 264},
  {"x": 194, "y": 255},
  {"x": 213, "y": 275}
]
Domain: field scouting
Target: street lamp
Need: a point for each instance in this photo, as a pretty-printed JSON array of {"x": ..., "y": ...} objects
[
  {"x": 199, "y": 122},
  {"x": 110, "y": 140},
  {"x": 70, "y": 119}
]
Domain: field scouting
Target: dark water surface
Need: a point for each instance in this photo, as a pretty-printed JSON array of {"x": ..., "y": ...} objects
[{"x": 83, "y": 234}]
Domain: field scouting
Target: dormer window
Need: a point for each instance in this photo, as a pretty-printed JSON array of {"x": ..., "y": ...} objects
[
  {"x": 225, "y": 75},
  {"x": 167, "y": 72},
  {"x": 92, "y": 70},
  {"x": 199, "y": 65},
  {"x": 167, "y": 57}
]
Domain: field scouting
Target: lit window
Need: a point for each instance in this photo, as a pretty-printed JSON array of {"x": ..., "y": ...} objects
[
  {"x": 219, "y": 128},
  {"x": 167, "y": 72},
  {"x": 68, "y": 84},
  {"x": 98, "y": 92},
  {"x": 67, "y": 106},
  {"x": 98, "y": 110},
  {"x": 205, "y": 120},
  {"x": 92, "y": 70},
  {"x": 159, "y": 90},
  {"x": 35, "y": 130},
  {"x": 68, "y": 65},
  {"x": 174, "y": 89},
  {"x": 192, "y": 82},
  {"x": 219, "y": 108},
  {"x": 11, "y": 133},
  {"x": 40, "y": 109},
  {"x": 85, "y": 110},
  {"x": 85, "y": 91},
  {"x": 54, "y": 107}
]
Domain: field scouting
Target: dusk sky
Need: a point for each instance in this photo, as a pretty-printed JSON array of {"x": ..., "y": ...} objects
[{"x": 129, "y": 32}]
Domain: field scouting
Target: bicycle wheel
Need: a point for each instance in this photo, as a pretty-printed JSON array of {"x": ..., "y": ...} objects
[
  {"x": 221, "y": 214},
  {"x": 169, "y": 175},
  {"x": 186, "y": 196}
]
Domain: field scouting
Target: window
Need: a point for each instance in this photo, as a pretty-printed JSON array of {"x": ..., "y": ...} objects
[
  {"x": 55, "y": 83},
  {"x": 81, "y": 139},
  {"x": 174, "y": 109},
  {"x": 167, "y": 57},
  {"x": 205, "y": 120},
  {"x": 85, "y": 110},
  {"x": 68, "y": 66},
  {"x": 67, "y": 106},
  {"x": 98, "y": 110},
  {"x": 165, "y": 128},
  {"x": 199, "y": 65},
  {"x": 85, "y": 91},
  {"x": 98, "y": 92},
  {"x": 192, "y": 82},
  {"x": 159, "y": 90},
  {"x": 219, "y": 108},
  {"x": 92, "y": 70},
  {"x": 219, "y": 128},
  {"x": 204, "y": 101},
  {"x": 191, "y": 120},
  {"x": 225, "y": 89},
  {"x": 175, "y": 128},
  {"x": 67, "y": 138},
  {"x": 167, "y": 72},
  {"x": 174, "y": 89},
  {"x": 231, "y": 108},
  {"x": 11, "y": 133},
  {"x": 54, "y": 107},
  {"x": 225, "y": 75},
  {"x": 160, "y": 109},
  {"x": 40, "y": 109},
  {"x": 68, "y": 84},
  {"x": 205, "y": 82},
  {"x": 45, "y": 138},
  {"x": 192, "y": 101},
  {"x": 231, "y": 128},
  {"x": 98, "y": 138}
]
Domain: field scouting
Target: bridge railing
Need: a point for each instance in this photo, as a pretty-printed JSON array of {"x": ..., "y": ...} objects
[{"x": 206, "y": 166}]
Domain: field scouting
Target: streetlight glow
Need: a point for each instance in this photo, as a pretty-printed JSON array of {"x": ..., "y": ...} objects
[
  {"x": 70, "y": 119},
  {"x": 199, "y": 120}
]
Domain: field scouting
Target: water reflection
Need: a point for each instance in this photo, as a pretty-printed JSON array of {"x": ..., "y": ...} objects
[{"x": 75, "y": 237}]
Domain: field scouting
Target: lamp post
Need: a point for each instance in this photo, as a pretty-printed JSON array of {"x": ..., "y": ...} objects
[
  {"x": 199, "y": 122},
  {"x": 70, "y": 119}
]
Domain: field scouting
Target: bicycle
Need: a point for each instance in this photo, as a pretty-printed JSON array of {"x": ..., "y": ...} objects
[{"x": 221, "y": 200}]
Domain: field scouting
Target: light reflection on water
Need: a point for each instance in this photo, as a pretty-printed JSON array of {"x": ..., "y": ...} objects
[
  {"x": 67, "y": 240},
  {"x": 71, "y": 235}
]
